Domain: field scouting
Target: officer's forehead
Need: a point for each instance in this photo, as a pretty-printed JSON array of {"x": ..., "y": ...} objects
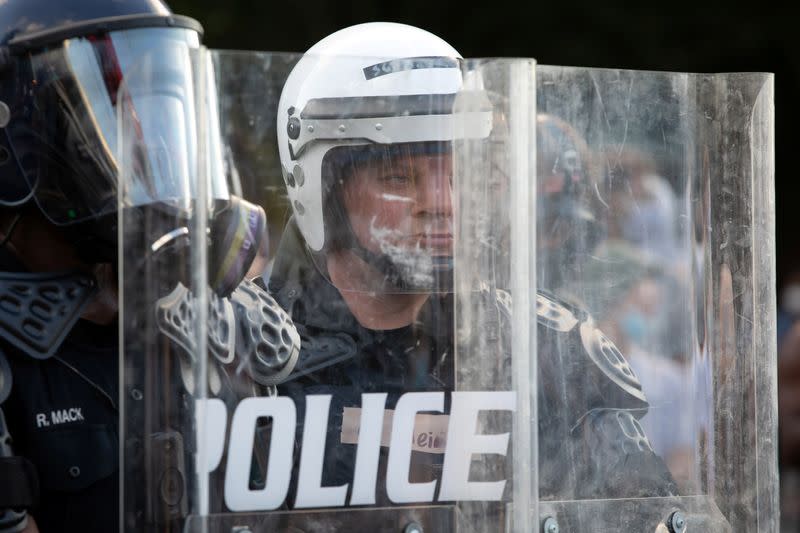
[
  {"x": 397, "y": 155},
  {"x": 408, "y": 160}
]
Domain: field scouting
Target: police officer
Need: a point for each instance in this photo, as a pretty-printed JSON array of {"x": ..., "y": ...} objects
[
  {"x": 365, "y": 270},
  {"x": 61, "y": 65}
]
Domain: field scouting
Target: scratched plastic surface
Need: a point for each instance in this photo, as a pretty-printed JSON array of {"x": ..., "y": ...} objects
[
  {"x": 612, "y": 280},
  {"x": 655, "y": 202}
]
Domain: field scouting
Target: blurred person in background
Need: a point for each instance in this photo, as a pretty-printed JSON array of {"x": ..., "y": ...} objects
[{"x": 788, "y": 330}]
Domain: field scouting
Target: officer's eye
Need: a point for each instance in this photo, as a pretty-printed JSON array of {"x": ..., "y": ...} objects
[{"x": 395, "y": 180}]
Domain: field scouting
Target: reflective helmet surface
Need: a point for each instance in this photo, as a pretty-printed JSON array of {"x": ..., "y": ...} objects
[
  {"x": 61, "y": 65},
  {"x": 28, "y": 18},
  {"x": 374, "y": 83}
]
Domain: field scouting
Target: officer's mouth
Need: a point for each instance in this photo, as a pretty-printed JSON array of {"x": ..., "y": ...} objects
[{"x": 435, "y": 242}]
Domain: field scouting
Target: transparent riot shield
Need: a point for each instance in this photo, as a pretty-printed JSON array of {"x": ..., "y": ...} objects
[
  {"x": 183, "y": 240},
  {"x": 382, "y": 376},
  {"x": 490, "y": 299},
  {"x": 655, "y": 245}
]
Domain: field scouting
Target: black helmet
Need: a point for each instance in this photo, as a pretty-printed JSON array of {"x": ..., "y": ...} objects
[{"x": 61, "y": 64}]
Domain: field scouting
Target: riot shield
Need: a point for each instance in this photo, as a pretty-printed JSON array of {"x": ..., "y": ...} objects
[
  {"x": 185, "y": 241},
  {"x": 257, "y": 431},
  {"x": 386, "y": 367},
  {"x": 655, "y": 237},
  {"x": 406, "y": 400}
]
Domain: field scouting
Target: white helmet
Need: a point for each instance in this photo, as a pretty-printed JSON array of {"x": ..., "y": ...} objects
[{"x": 374, "y": 83}]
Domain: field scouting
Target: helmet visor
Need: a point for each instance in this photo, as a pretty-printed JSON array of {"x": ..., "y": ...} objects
[{"x": 66, "y": 137}]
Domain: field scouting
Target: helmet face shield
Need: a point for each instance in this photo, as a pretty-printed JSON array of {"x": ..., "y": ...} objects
[
  {"x": 423, "y": 214},
  {"x": 64, "y": 134},
  {"x": 599, "y": 393},
  {"x": 391, "y": 119},
  {"x": 372, "y": 177}
]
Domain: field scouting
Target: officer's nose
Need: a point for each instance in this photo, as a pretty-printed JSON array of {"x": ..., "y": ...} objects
[{"x": 435, "y": 188}]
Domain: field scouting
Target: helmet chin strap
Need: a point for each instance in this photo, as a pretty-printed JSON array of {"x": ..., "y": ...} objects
[{"x": 10, "y": 231}]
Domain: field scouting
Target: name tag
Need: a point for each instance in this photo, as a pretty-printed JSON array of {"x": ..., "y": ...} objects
[
  {"x": 59, "y": 416},
  {"x": 429, "y": 436}
]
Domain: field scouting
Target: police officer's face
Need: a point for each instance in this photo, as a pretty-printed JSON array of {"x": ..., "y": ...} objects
[{"x": 402, "y": 204}]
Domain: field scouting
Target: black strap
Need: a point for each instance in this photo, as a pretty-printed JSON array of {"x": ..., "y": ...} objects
[{"x": 20, "y": 486}]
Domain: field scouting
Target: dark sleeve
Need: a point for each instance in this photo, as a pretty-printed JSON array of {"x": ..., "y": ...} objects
[
  {"x": 14, "y": 407},
  {"x": 619, "y": 461},
  {"x": 20, "y": 489}
]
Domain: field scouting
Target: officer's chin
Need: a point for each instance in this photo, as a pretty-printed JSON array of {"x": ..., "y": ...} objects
[{"x": 103, "y": 308}]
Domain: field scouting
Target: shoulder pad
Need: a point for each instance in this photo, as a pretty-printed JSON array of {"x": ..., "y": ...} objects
[
  {"x": 610, "y": 360},
  {"x": 573, "y": 349},
  {"x": 267, "y": 341},
  {"x": 175, "y": 319},
  {"x": 37, "y": 311},
  {"x": 554, "y": 314}
]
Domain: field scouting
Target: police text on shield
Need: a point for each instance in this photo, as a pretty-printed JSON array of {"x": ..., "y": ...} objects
[{"x": 461, "y": 444}]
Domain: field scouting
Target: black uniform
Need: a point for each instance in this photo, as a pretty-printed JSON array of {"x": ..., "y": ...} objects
[
  {"x": 62, "y": 416},
  {"x": 591, "y": 445}
]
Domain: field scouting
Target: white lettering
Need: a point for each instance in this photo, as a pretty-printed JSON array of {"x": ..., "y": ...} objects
[
  {"x": 310, "y": 492},
  {"x": 463, "y": 443},
  {"x": 369, "y": 436},
  {"x": 456, "y": 435},
  {"x": 60, "y": 416},
  {"x": 398, "y": 488},
  {"x": 210, "y": 417},
  {"x": 238, "y": 496}
]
